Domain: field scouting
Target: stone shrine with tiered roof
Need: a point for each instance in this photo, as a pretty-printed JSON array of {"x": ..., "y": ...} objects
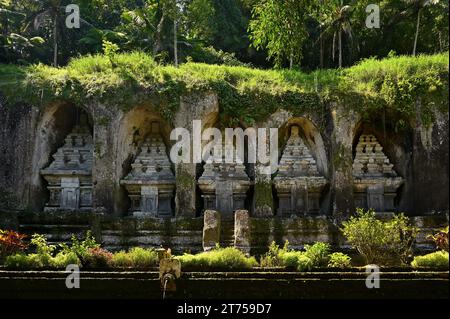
[
  {"x": 298, "y": 181},
  {"x": 69, "y": 176},
  {"x": 151, "y": 182},
  {"x": 375, "y": 181}
]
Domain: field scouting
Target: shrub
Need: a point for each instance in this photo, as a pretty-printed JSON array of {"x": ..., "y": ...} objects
[
  {"x": 304, "y": 263},
  {"x": 318, "y": 254},
  {"x": 19, "y": 260},
  {"x": 63, "y": 259},
  {"x": 44, "y": 251},
  {"x": 339, "y": 260},
  {"x": 11, "y": 242},
  {"x": 97, "y": 258},
  {"x": 272, "y": 258},
  {"x": 290, "y": 259},
  {"x": 438, "y": 259},
  {"x": 122, "y": 259},
  {"x": 42, "y": 247},
  {"x": 440, "y": 239},
  {"x": 143, "y": 258},
  {"x": 285, "y": 257},
  {"x": 222, "y": 258},
  {"x": 81, "y": 248},
  {"x": 380, "y": 242},
  {"x": 400, "y": 237}
]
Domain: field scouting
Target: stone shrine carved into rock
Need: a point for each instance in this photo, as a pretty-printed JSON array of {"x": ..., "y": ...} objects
[
  {"x": 69, "y": 176},
  {"x": 375, "y": 183},
  {"x": 298, "y": 181},
  {"x": 151, "y": 182},
  {"x": 224, "y": 187}
]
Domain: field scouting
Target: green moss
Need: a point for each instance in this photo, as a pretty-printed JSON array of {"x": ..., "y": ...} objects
[
  {"x": 260, "y": 229},
  {"x": 246, "y": 95},
  {"x": 263, "y": 194},
  {"x": 342, "y": 157},
  {"x": 438, "y": 259},
  {"x": 184, "y": 179},
  {"x": 103, "y": 121}
]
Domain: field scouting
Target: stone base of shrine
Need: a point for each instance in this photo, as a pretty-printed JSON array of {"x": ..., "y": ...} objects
[{"x": 183, "y": 234}]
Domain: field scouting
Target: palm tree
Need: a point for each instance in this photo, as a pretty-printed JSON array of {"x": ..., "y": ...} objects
[
  {"x": 419, "y": 5},
  {"x": 6, "y": 14},
  {"x": 143, "y": 18},
  {"x": 50, "y": 11},
  {"x": 336, "y": 21}
]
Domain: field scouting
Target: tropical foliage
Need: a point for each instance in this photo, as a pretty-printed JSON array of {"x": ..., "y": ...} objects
[
  {"x": 378, "y": 241},
  {"x": 304, "y": 33}
]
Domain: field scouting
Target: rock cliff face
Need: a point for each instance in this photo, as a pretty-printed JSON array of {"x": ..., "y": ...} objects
[{"x": 30, "y": 136}]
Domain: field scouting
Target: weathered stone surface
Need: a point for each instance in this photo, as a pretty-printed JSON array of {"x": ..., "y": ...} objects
[
  {"x": 151, "y": 183},
  {"x": 224, "y": 186},
  {"x": 344, "y": 124},
  {"x": 298, "y": 182},
  {"x": 29, "y": 135},
  {"x": 242, "y": 231},
  {"x": 375, "y": 181},
  {"x": 211, "y": 229},
  {"x": 69, "y": 176}
]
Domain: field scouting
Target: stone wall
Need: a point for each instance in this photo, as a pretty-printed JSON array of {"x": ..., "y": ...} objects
[
  {"x": 31, "y": 134},
  {"x": 187, "y": 234}
]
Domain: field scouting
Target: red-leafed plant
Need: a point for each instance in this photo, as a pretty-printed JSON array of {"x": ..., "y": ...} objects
[
  {"x": 440, "y": 239},
  {"x": 97, "y": 258},
  {"x": 11, "y": 242}
]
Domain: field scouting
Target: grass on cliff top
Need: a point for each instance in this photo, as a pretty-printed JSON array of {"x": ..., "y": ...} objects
[{"x": 245, "y": 94}]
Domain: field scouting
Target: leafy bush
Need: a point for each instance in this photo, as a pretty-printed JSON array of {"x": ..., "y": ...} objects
[
  {"x": 19, "y": 260},
  {"x": 11, "y": 242},
  {"x": 339, "y": 260},
  {"x": 63, "y": 259},
  {"x": 122, "y": 259},
  {"x": 220, "y": 258},
  {"x": 81, "y": 248},
  {"x": 272, "y": 257},
  {"x": 42, "y": 257},
  {"x": 304, "y": 263},
  {"x": 83, "y": 252},
  {"x": 380, "y": 242},
  {"x": 136, "y": 257},
  {"x": 318, "y": 254},
  {"x": 297, "y": 260},
  {"x": 440, "y": 239},
  {"x": 143, "y": 258},
  {"x": 285, "y": 257},
  {"x": 44, "y": 252},
  {"x": 97, "y": 258},
  {"x": 438, "y": 259},
  {"x": 211, "y": 55},
  {"x": 400, "y": 238},
  {"x": 290, "y": 258}
]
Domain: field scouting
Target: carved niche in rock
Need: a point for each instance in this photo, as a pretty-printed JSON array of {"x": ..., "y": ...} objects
[
  {"x": 69, "y": 176},
  {"x": 375, "y": 181},
  {"x": 298, "y": 182},
  {"x": 151, "y": 182},
  {"x": 224, "y": 187}
]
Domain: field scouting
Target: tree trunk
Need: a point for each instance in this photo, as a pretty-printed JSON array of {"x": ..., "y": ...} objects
[
  {"x": 5, "y": 26},
  {"x": 175, "y": 43},
  {"x": 55, "y": 41},
  {"x": 291, "y": 61},
  {"x": 321, "y": 50},
  {"x": 159, "y": 29},
  {"x": 417, "y": 32},
  {"x": 340, "y": 48}
]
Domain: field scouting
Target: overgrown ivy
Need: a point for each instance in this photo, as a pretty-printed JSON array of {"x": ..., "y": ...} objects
[{"x": 245, "y": 95}]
